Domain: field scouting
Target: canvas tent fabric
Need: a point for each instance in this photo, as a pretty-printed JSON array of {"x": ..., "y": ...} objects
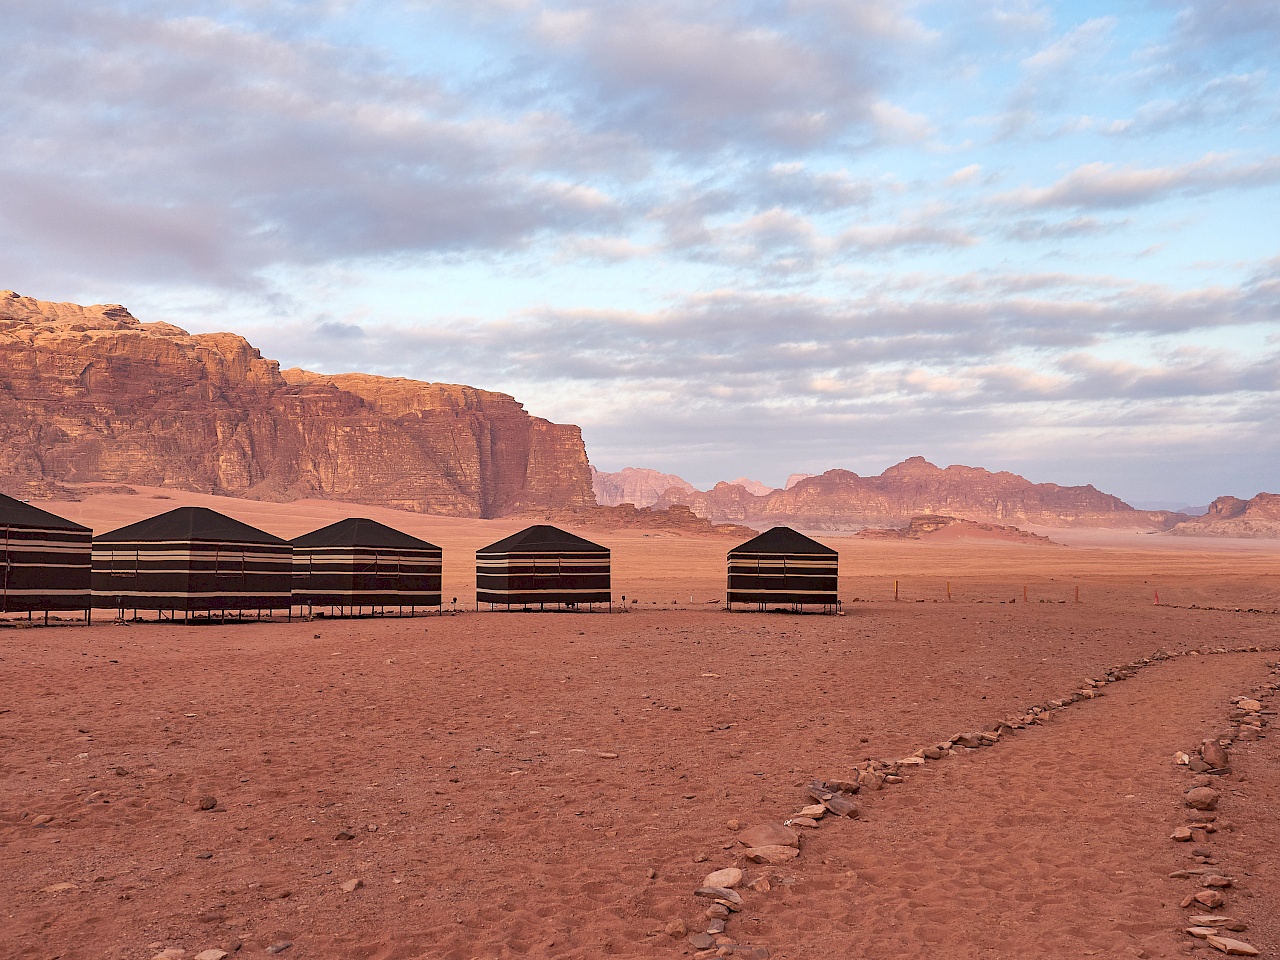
[
  {"x": 783, "y": 566},
  {"x": 44, "y": 560},
  {"x": 542, "y": 565},
  {"x": 362, "y": 563},
  {"x": 189, "y": 560}
]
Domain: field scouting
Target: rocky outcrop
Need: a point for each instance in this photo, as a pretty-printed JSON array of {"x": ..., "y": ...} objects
[
  {"x": 634, "y": 485},
  {"x": 91, "y": 394},
  {"x": 842, "y": 500},
  {"x": 1256, "y": 519},
  {"x": 933, "y": 527}
]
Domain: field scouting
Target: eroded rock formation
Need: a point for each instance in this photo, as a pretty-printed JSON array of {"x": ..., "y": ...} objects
[
  {"x": 1256, "y": 519},
  {"x": 92, "y": 394},
  {"x": 635, "y": 485}
]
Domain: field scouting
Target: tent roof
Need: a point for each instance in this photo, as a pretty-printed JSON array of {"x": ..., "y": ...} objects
[
  {"x": 543, "y": 538},
  {"x": 783, "y": 540},
  {"x": 190, "y": 523},
  {"x": 361, "y": 532},
  {"x": 15, "y": 513}
]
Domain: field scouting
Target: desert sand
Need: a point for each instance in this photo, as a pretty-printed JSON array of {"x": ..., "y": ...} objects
[{"x": 557, "y": 785}]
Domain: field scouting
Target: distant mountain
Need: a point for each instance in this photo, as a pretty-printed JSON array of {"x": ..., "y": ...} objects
[
  {"x": 1256, "y": 519},
  {"x": 753, "y": 487},
  {"x": 794, "y": 479},
  {"x": 842, "y": 500},
  {"x": 635, "y": 485},
  {"x": 1172, "y": 506}
]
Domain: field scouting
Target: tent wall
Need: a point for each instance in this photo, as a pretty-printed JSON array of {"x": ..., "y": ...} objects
[
  {"x": 543, "y": 577},
  {"x": 782, "y": 578},
  {"x": 44, "y": 568},
  {"x": 346, "y": 576},
  {"x": 190, "y": 576}
]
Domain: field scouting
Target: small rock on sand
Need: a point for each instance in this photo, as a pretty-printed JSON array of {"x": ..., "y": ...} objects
[
  {"x": 1214, "y": 754},
  {"x": 728, "y": 878},
  {"x": 760, "y": 885},
  {"x": 280, "y": 947},
  {"x": 1181, "y": 834},
  {"x": 717, "y": 911},
  {"x": 352, "y": 885},
  {"x": 719, "y": 893},
  {"x": 1209, "y": 898},
  {"x": 841, "y": 806},
  {"x": 773, "y": 853},
  {"x": 676, "y": 929},
  {"x": 173, "y": 953},
  {"x": 814, "y": 811},
  {"x": 1202, "y": 798},
  {"x": 212, "y": 954},
  {"x": 701, "y": 941},
  {"x": 208, "y": 803},
  {"x": 769, "y": 834},
  {"x": 1236, "y": 948}
]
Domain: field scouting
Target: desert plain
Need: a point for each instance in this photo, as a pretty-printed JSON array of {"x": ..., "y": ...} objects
[{"x": 559, "y": 784}]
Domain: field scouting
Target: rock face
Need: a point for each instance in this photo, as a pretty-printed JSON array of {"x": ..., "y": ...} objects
[
  {"x": 91, "y": 394},
  {"x": 841, "y": 500},
  {"x": 634, "y": 485},
  {"x": 1256, "y": 519}
]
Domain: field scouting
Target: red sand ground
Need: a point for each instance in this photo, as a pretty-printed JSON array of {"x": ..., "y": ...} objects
[{"x": 473, "y": 744}]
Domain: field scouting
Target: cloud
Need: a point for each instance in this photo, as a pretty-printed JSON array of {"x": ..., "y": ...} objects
[
  {"x": 1104, "y": 185},
  {"x": 1083, "y": 42}
]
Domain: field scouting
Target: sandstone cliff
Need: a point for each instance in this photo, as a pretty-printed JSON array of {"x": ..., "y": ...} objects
[
  {"x": 841, "y": 500},
  {"x": 92, "y": 394},
  {"x": 1256, "y": 519}
]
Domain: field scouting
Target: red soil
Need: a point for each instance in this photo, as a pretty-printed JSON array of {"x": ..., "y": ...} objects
[{"x": 477, "y": 746}]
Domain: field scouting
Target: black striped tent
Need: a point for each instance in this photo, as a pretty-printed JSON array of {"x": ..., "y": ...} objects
[
  {"x": 192, "y": 560},
  {"x": 45, "y": 560},
  {"x": 542, "y": 565},
  {"x": 783, "y": 566},
  {"x": 359, "y": 563}
]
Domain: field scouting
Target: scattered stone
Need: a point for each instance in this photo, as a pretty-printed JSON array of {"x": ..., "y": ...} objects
[
  {"x": 60, "y": 887},
  {"x": 841, "y": 806},
  {"x": 814, "y": 811},
  {"x": 808, "y": 822},
  {"x": 1251, "y": 706},
  {"x": 1248, "y": 734},
  {"x": 1227, "y": 923},
  {"x": 651, "y": 873},
  {"x": 344, "y": 835},
  {"x": 717, "y": 911},
  {"x": 1210, "y": 898},
  {"x": 607, "y": 756},
  {"x": 760, "y": 885},
  {"x": 728, "y": 878},
  {"x": 1181, "y": 834},
  {"x": 172, "y": 953},
  {"x": 1199, "y": 765},
  {"x": 212, "y": 954},
  {"x": 734, "y": 825},
  {"x": 1201, "y": 933},
  {"x": 280, "y": 947},
  {"x": 1235, "y": 948},
  {"x": 1202, "y": 798},
  {"x": 932, "y": 753},
  {"x": 675, "y": 929},
  {"x": 769, "y": 834},
  {"x": 1215, "y": 880},
  {"x": 969, "y": 740},
  {"x": 774, "y": 853},
  {"x": 1214, "y": 754},
  {"x": 41, "y": 820},
  {"x": 719, "y": 893},
  {"x": 701, "y": 941},
  {"x": 911, "y": 762},
  {"x": 352, "y": 885},
  {"x": 701, "y": 858}
]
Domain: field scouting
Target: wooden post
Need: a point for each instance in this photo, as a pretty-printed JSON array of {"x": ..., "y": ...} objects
[
  {"x": 948, "y": 591},
  {"x": 895, "y": 589}
]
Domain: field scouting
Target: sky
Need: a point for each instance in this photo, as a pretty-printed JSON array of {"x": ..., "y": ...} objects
[{"x": 726, "y": 239}]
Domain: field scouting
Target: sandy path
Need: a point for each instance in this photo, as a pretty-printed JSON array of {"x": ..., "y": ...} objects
[{"x": 1054, "y": 843}]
